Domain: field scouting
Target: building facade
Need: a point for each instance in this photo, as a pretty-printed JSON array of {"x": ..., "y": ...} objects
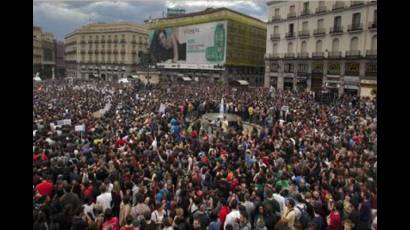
[
  {"x": 60, "y": 64},
  {"x": 43, "y": 53},
  {"x": 106, "y": 51},
  {"x": 313, "y": 45},
  {"x": 240, "y": 36}
]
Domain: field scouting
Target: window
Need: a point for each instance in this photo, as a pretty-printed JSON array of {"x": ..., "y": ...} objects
[
  {"x": 276, "y": 30},
  {"x": 375, "y": 16},
  {"x": 303, "y": 47},
  {"x": 305, "y": 26},
  {"x": 275, "y": 48},
  {"x": 356, "y": 20},
  {"x": 338, "y": 23},
  {"x": 335, "y": 45},
  {"x": 277, "y": 12},
  {"x": 291, "y": 28},
  {"x": 305, "y": 6},
  {"x": 320, "y": 23},
  {"x": 290, "y": 47},
  {"x": 319, "y": 45},
  {"x": 321, "y": 4},
  {"x": 354, "y": 43},
  {"x": 292, "y": 8},
  {"x": 374, "y": 43}
]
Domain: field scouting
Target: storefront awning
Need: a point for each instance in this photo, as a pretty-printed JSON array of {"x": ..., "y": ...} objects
[{"x": 243, "y": 82}]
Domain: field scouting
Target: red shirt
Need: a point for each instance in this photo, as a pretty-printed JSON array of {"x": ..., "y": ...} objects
[
  {"x": 127, "y": 228},
  {"x": 223, "y": 213},
  {"x": 45, "y": 188},
  {"x": 113, "y": 223},
  {"x": 334, "y": 221},
  {"x": 88, "y": 192}
]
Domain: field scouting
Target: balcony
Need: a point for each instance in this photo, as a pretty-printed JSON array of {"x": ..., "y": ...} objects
[
  {"x": 82, "y": 42},
  {"x": 373, "y": 25},
  {"x": 115, "y": 52},
  {"x": 96, "y": 51},
  {"x": 354, "y": 4},
  {"x": 275, "y": 37},
  {"x": 305, "y": 12},
  {"x": 355, "y": 28},
  {"x": 336, "y": 30},
  {"x": 303, "y": 55},
  {"x": 353, "y": 54},
  {"x": 320, "y": 32},
  {"x": 122, "y": 51},
  {"x": 334, "y": 54},
  {"x": 123, "y": 41},
  {"x": 338, "y": 6},
  {"x": 102, "y": 40},
  {"x": 90, "y": 42},
  {"x": 276, "y": 18},
  {"x": 133, "y": 42},
  {"x": 102, "y": 52},
  {"x": 289, "y": 55},
  {"x": 82, "y": 51},
  {"x": 371, "y": 53},
  {"x": 291, "y": 15},
  {"x": 318, "y": 55},
  {"x": 109, "y": 52},
  {"x": 290, "y": 35},
  {"x": 90, "y": 52},
  {"x": 115, "y": 40},
  {"x": 304, "y": 34},
  {"x": 96, "y": 41},
  {"x": 109, "y": 41},
  {"x": 321, "y": 9}
]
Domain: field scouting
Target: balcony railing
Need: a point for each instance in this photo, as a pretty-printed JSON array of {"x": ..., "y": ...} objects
[
  {"x": 321, "y": 9},
  {"x": 102, "y": 40},
  {"x": 290, "y": 35},
  {"x": 317, "y": 54},
  {"x": 122, "y": 51},
  {"x": 115, "y": 52},
  {"x": 276, "y": 18},
  {"x": 289, "y": 55},
  {"x": 372, "y": 25},
  {"x": 336, "y": 30},
  {"x": 133, "y": 42},
  {"x": 82, "y": 51},
  {"x": 338, "y": 6},
  {"x": 355, "y": 27},
  {"x": 115, "y": 40},
  {"x": 303, "y": 55},
  {"x": 272, "y": 56},
  {"x": 319, "y": 32},
  {"x": 89, "y": 42},
  {"x": 275, "y": 37},
  {"x": 353, "y": 53},
  {"x": 304, "y": 34},
  {"x": 335, "y": 54},
  {"x": 102, "y": 51},
  {"x": 291, "y": 15},
  {"x": 356, "y": 3},
  {"x": 109, "y": 41},
  {"x": 123, "y": 41},
  {"x": 82, "y": 42},
  {"x": 96, "y": 41},
  {"x": 90, "y": 52},
  {"x": 371, "y": 53},
  {"x": 305, "y": 12}
]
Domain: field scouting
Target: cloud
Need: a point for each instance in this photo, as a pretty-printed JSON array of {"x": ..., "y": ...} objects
[{"x": 62, "y": 17}]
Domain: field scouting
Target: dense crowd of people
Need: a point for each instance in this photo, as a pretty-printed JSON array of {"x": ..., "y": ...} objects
[{"x": 148, "y": 161}]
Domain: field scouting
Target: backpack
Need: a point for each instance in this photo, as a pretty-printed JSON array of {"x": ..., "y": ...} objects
[{"x": 304, "y": 218}]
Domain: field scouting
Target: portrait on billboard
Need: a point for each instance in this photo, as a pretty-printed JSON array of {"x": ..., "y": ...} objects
[
  {"x": 199, "y": 44},
  {"x": 166, "y": 47}
]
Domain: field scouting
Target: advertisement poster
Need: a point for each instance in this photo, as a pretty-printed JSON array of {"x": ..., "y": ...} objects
[{"x": 194, "y": 44}]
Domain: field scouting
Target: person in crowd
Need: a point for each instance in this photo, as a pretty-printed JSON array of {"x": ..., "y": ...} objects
[{"x": 133, "y": 160}]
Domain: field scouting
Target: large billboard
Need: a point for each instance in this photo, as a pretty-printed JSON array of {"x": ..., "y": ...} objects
[{"x": 193, "y": 45}]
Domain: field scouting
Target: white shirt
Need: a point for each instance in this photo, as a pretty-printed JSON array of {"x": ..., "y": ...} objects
[
  {"x": 232, "y": 218},
  {"x": 104, "y": 200},
  {"x": 89, "y": 209},
  {"x": 281, "y": 200}
]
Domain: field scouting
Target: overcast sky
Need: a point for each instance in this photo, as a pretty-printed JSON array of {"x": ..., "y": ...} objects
[{"x": 61, "y": 17}]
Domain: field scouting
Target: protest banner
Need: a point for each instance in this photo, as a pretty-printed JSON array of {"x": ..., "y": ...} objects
[{"x": 80, "y": 128}]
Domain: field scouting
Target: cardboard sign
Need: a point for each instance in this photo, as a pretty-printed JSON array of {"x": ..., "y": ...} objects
[
  {"x": 64, "y": 122},
  {"x": 80, "y": 128}
]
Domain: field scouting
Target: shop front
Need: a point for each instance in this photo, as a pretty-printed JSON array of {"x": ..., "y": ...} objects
[
  {"x": 351, "y": 85},
  {"x": 368, "y": 88}
]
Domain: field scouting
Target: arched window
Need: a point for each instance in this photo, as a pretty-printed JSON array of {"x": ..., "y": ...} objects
[
  {"x": 303, "y": 47},
  {"x": 290, "y": 47},
  {"x": 374, "y": 42},
  {"x": 275, "y": 48},
  {"x": 354, "y": 43},
  {"x": 319, "y": 45},
  {"x": 335, "y": 45}
]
